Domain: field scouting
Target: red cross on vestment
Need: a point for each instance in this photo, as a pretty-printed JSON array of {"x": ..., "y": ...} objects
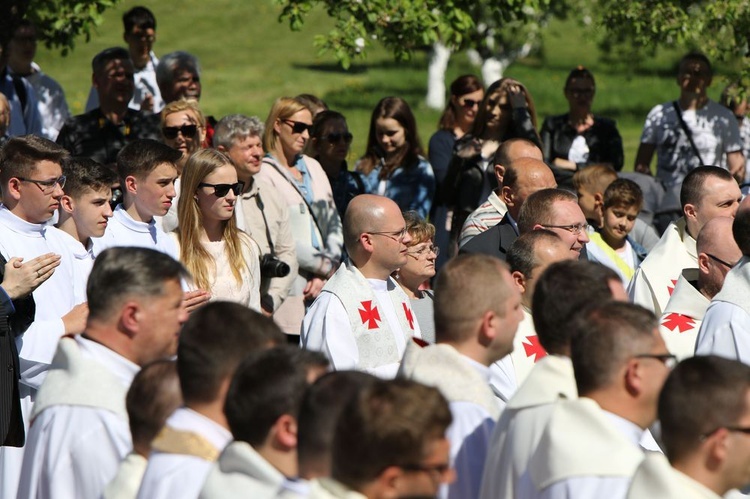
[
  {"x": 409, "y": 316},
  {"x": 671, "y": 288},
  {"x": 679, "y": 322},
  {"x": 534, "y": 348},
  {"x": 369, "y": 315}
]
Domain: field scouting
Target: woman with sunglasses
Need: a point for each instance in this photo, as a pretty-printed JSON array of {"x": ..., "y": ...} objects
[
  {"x": 578, "y": 138},
  {"x": 393, "y": 165},
  {"x": 221, "y": 258},
  {"x": 419, "y": 269},
  {"x": 506, "y": 112},
  {"x": 329, "y": 144},
  {"x": 313, "y": 217}
]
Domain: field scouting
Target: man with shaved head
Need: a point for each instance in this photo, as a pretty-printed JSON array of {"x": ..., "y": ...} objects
[
  {"x": 362, "y": 319},
  {"x": 725, "y": 330},
  {"x": 717, "y": 254}
]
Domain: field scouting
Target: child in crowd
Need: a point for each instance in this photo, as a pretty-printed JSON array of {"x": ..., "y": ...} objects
[
  {"x": 590, "y": 184},
  {"x": 611, "y": 245}
]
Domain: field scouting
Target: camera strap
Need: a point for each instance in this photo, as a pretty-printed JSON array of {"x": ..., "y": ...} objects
[
  {"x": 259, "y": 202},
  {"x": 687, "y": 130}
]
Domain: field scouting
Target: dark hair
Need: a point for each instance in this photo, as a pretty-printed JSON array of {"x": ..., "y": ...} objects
[
  {"x": 623, "y": 193},
  {"x": 741, "y": 229},
  {"x": 139, "y": 17},
  {"x": 538, "y": 207},
  {"x": 318, "y": 417},
  {"x": 701, "y": 395},
  {"x": 578, "y": 73},
  {"x": 391, "y": 423},
  {"x": 20, "y": 155},
  {"x": 692, "y": 186},
  {"x": 142, "y": 156},
  {"x": 696, "y": 56},
  {"x": 462, "y": 85},
  {"x": 123, "y": 271},
  {"x": 85, "y": 173},
  {"x": 214, "y": 340},
  {"x": 267, "y": 385},
  {"x": 563, "y": 289},
  {"x": 153, "y": 395},
  {"x": 521, "y": 255},
  {"x": 501, "y": 85},
  {"x": 101, "y": 59},
  {"x": 321, "y": 120},
  {"x": 603, "y": 337},
  {"x": 406, "y": 157}
]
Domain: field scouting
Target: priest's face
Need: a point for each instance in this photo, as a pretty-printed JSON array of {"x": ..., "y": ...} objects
[{"x": 159, "y": 321}]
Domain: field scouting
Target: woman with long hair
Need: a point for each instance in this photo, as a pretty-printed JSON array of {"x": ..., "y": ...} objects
[
  {"x": 393, "y": 165},
  {"x": 507, "y": 111},
  {"x": 221, "y": 258},
  {"x": 313, "y": 217}
]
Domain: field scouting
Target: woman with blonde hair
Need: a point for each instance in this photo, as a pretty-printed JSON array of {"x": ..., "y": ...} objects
[
  {"x": 222, "y": 259},
  {"x": 313, "y": 216}
]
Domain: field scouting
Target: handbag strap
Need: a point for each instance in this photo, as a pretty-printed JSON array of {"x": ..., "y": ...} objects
[{"x": 687, "y": 131}]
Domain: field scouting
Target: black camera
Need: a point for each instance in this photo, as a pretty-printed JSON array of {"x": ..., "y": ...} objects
[{"x": 270, "y": 267}]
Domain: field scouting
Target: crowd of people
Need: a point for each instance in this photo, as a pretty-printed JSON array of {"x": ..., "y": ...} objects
[{"x": 217, "y": 308}]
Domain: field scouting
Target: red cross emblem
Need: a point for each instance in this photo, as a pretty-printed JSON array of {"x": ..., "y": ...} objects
[
  {"x": 369, "y": 315},
  {"x": 533, "y": 348},
  {"x": 409, "y": 316},
  {"x": 671, "y": 288},
  {"x": 678, "y": 322}
]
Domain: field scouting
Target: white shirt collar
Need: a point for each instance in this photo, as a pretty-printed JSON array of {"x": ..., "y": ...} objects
[
  {"x": 121, "y": 367},
  {"x": 185, "y": 419},
  {"x": 481, "y": 369},
  {"x": 125, "y": 219},
  {"x": 19, "y": 225},
  {"x": 628, "y": 429}
]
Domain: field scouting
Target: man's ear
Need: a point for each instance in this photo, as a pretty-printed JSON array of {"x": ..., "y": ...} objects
[
  {"x": 690, "y": 212},
  {"x": 598, "y": 200},
  {"x": 13, "y": 189},
  {"x": 129, "y": 318},
  {"x": 67, "y": 203},
  {"x": 520, "y": 280},
  {"x": 221, "y": 148},
  {"x": 388, "y": 482},
  {"x": 285, "y": 429},
  {"x": 499, "y": 174},
  {"x": 131, "y": 184},
  {"x": 506, "y": 194},
  {"x": 703, "y": 263}
]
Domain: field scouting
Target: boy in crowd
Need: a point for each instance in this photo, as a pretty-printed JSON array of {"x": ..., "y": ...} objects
[{"x": 611, "y": 245}]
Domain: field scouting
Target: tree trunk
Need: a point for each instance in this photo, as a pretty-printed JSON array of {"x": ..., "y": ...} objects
[{"x": 439, "y": 57}]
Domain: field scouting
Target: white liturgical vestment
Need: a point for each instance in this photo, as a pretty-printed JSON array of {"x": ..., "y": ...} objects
[
  {"x": 242, "y": 473},
  {"x": 127, "y": 481},
  {"x": 79, "y": 431},
  {"x": 656, "y": 478},
  {"x": 654, "y": 281},
  {"x": 182, "y": 456},
  {"x": 683, "y": 315},
  {"x": 359, "y": 323},
  {"x": 83, "y": 263},
  {"x": 123, "y": 230}
]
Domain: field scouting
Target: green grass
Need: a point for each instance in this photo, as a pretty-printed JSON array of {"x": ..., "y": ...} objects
[{"x": 249, "y": 59}]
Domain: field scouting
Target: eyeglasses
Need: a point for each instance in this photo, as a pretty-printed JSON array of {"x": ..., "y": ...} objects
[
  {"x": 46, "y": 186},
  {"x": 298, "y": 126},
  {"x": 470, "y": 103},
  {"x": 726, "y": 264},
  {"x": 424, "y": 251},
  {"x": 221, "y": 190},
  {"x": 171, "y": 132},
  {"x": 669, "y": 360},
  {"x": 335, "y": 138},
  {"x": 396, "y": 235},
  {"x": 573, "y": 229},
  {"x": 738, "y": 429},
  {"x": 439, "y": 469}
]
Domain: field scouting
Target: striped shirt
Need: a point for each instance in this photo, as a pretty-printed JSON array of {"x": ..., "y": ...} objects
[{"x": 485, "y": 217}]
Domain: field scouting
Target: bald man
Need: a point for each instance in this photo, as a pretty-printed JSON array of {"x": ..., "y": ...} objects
[
  {"x": 717, "y": 253},
  {"x": 492, "y": 211},
  {"x": 362, "y": 319}
]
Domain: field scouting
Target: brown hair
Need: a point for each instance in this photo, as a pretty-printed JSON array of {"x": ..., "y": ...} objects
[
  {"x": 494, "y": 92},
  {"x": 538, "y": 207},
  {"x": 623, "y": 193},
  {"x": 20, "y": 155},
  {"x": 594, "y": 178},
  {"x": 418, "y": 228},
  {"x": 465, "y": 84},
  {"x": 283, "y": 109}
]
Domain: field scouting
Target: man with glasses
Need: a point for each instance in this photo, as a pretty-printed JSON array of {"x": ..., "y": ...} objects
[
  {"x": 591, "y": 446},
  {"x": 704, "y": 411},
  {"x": 100, "y": 133},
  {"x": 362, "y": 319},
  {"x": 725, "y": 329},
  {"x": 32, "y": 181},
  {"x": 683, "y": 315}
]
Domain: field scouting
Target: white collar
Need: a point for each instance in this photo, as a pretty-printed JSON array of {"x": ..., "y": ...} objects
[
  {"x": 21, "y": 226},
  {"x": 80, "y": 251},
  {"x": 186, "y": 419},
  {"x": 122, "y": 368},
  {"x": 122, "y": 216},
  {"x": 631, "y": 431},
  {"x": 481, "y": 369},
  {"x": 379, "y": 284}
]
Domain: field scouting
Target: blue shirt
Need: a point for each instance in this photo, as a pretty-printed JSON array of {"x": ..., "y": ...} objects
[{"x": 410, "y": 188}]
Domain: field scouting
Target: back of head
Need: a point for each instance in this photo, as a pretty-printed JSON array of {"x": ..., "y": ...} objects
[
  {"x": 692, "y": 186},
  {"x": 522, "y": 255},
  {"x": 741, "y": 227},
  {"x": 139, "y": 17},
  {"x": 604, "y": 337},
  {"x": 513, "y": 149},
  {"x": 594, "y": 178},
  {"x": 539, "y": 208},
  {"x": 623, "y": 193},
  {"x": 152, "y": 397},
  {"x": 467, "y": 287},
  {"x": 214, "y": 340},
  {"x": 388, "y": 424},
  {"x": 141, "y": 157},
  {"x": 82, "y": 174},
  {"x": 563, "y": 289},
  {"x": 524, "y": 168},
  {"x": 125, "y": 272},
  {"x": 701, "y": 395},
  {"x": 695, "y": 56},
  {"x": 20, "y": 155},
  {"x": 100, "y": 60},
  {"x": 318, "y": 418},
  {"x": 236, "y": 127},
  {"x": 266, "y": 386}
]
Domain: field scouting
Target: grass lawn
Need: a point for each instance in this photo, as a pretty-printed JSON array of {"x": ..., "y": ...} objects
[{"x": 249, "y": 59}]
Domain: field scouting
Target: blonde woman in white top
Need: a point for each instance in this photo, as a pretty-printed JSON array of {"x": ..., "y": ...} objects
[{"x": 221, "y": 258}]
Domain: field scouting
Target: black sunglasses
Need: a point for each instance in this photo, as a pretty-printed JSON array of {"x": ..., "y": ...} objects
[
  {"x": 171, "y": 132},
  {"x": 221, "y": 190},
  {"x": 298, "y": 126},
  {"x": 469, "y": 103},
  {"x": 335, "y": 138}
]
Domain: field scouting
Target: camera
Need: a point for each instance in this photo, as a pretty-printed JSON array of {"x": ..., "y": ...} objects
[{"x": 270, "y": 267}]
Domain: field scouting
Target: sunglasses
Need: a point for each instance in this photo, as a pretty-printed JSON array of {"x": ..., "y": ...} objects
[
  {"x": 470, "y": 103},
  {"x": 335, "y": 138},
  {"x": 171, "y": 132},
  {"x": 298, "y": 126},
  {"x": 221, "y": 190}
]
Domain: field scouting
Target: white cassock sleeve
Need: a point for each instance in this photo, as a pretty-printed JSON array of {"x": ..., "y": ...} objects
[
  {"x": 640, "y": 292},
  {"x": 725, "y": 331},
  {"x": 469, "y": 435},
  {"x": 587, "y": 488}
]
